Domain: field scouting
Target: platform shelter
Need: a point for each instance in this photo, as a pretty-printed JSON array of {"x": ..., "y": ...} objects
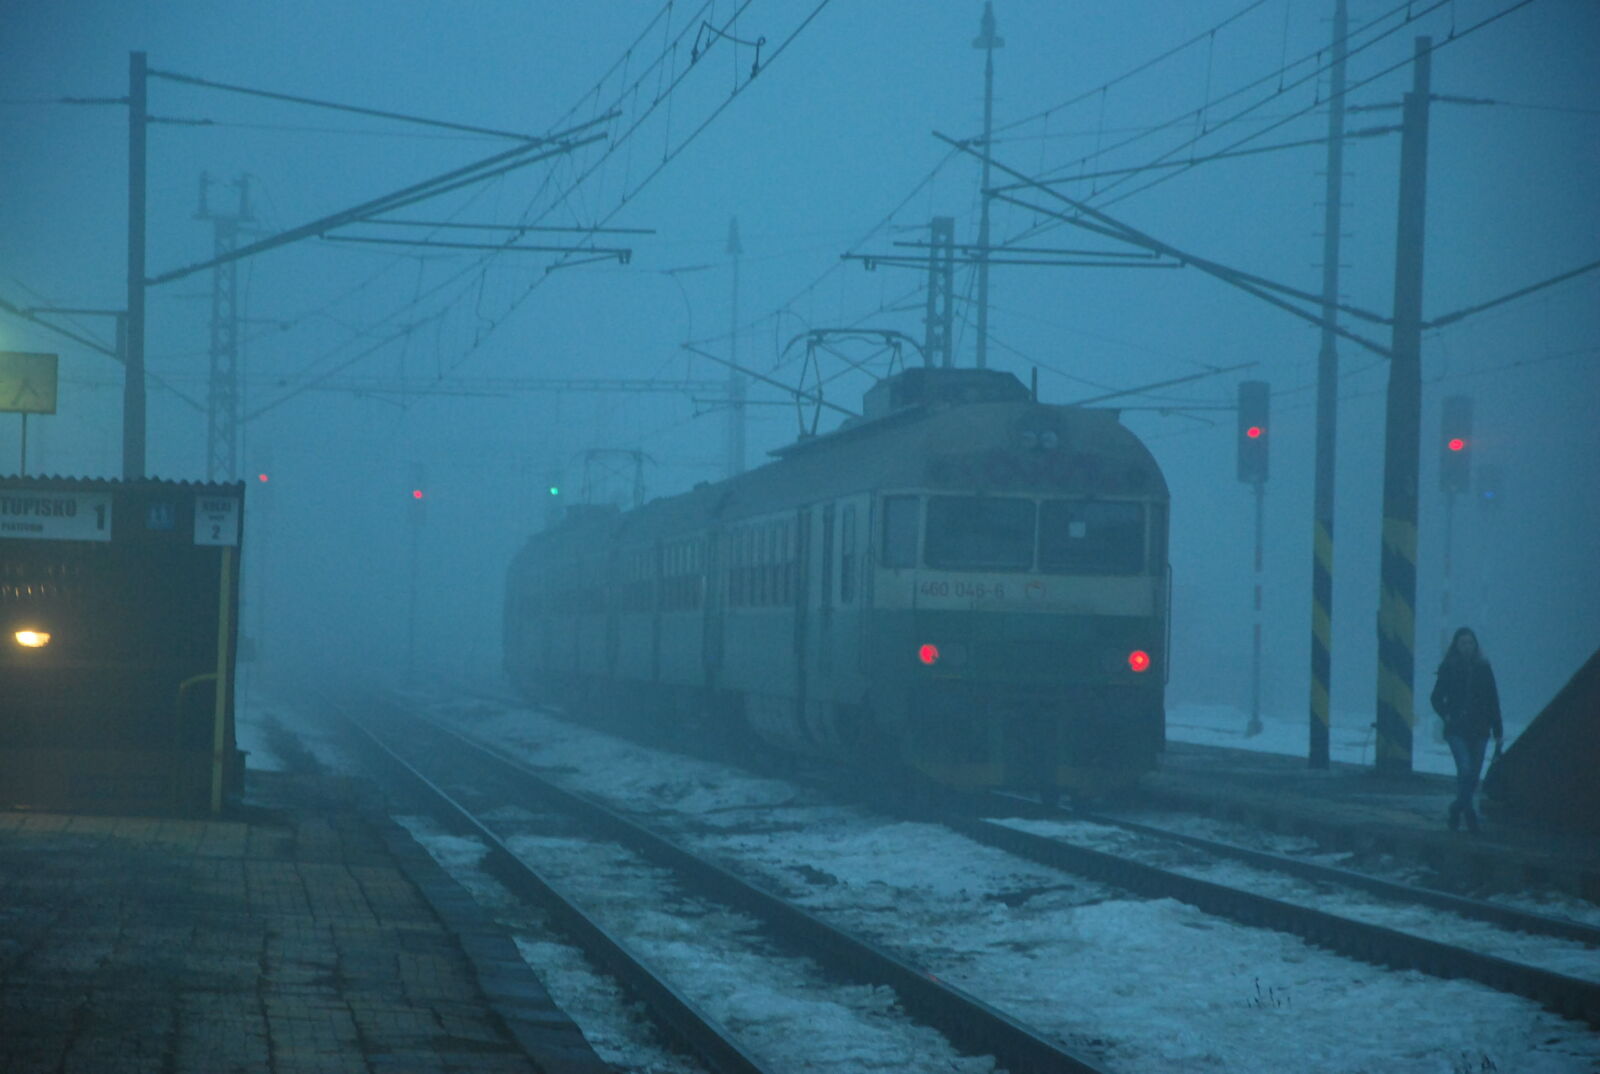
[{"x": 118, "y": 627}]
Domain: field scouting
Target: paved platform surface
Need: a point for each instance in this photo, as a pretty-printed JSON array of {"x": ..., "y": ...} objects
[
  {"x": 1351, "y": 806},
  {"x": 307, "y": 934}
]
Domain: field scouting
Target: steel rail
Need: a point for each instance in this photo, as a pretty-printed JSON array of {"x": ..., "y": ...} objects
[
  {"x": 969, "y": 1023},
  {"x": 1493, "y": 913},
  {"x": 1567, "y": 996},
  {"x": 672, "y": 1011}
]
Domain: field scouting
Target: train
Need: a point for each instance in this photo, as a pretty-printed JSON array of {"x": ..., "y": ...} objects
[{"x": 962, "y": 584}]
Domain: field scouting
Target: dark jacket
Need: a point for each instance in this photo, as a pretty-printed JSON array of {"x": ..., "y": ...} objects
[{"x": 1465, "y": 696}]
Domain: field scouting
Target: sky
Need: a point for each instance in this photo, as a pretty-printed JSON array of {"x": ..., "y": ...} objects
[{"x": 370, "y": 370}]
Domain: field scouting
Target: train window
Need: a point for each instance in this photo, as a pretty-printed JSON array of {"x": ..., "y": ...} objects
[
  {"x": 847, "y": 555},
  {"x": 979, "y": 533},
  {"x": 775, "y": 572},
  {"x": 827, "y": 557},
  {"x": 763, "y": 568},
  {"x": 900, "y": 524},
  {"x": 1092, "y": 536}
]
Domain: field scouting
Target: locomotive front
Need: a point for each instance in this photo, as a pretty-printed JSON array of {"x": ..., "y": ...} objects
[{"x": 1018, "y": 632}]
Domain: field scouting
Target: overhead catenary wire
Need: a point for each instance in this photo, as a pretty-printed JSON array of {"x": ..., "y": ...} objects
[
  {"x": 1313, "y": 57},
  {"x": 384, "y": 114},
  {"x": 312, "y": 102},
  {"x": 484, "y": 333},
  {"x": 1349, "y": 88},
  {"x": 1204, "y": 35},
  {"x": 492, "y": 324},
  {"x": 1099, "y": 195},
  {"x": 1137, "y": 69},
  {"x": 670, "y": 154}
]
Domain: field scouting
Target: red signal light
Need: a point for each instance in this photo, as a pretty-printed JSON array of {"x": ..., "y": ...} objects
[
  {"x": 262, "y": 478},
  {"x": 928, "y": 654},
  {"x": 1455, "y": 443},
  {"x": 1254, "y": 432},
  {"x": 1139, "y": 660},
  {"x": 416, "y": 494}
]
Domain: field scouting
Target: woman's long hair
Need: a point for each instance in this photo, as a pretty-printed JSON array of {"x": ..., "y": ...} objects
[{"x": 1452, "y": 654}]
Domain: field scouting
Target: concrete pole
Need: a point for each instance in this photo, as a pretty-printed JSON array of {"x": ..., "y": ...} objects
[
  {"x": 1397, "y": 596},
  {"x": 1327, "y": 412},
  {"x": 133, "y": 401}
]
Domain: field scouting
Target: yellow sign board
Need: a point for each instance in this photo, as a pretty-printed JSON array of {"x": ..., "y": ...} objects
[{"x": 27, "y": 382}]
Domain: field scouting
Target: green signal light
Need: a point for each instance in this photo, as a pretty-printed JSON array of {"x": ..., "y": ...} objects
[{"x": 555, "y": 490}]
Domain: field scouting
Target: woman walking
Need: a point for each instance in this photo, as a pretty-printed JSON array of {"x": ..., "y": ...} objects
[{"x": 1465, "y": 696}]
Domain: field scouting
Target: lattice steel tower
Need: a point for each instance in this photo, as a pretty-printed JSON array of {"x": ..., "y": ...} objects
[{"x": 222, "y": 396}]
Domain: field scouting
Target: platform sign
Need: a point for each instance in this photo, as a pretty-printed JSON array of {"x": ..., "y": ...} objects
[
  {"x": 216, "y": 520},
  {"x": 27, "y": 382},
  {"x": 55, "y": 516}
]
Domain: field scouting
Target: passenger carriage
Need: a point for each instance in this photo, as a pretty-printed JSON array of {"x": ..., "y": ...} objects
[{"x": 963, "y": 582}]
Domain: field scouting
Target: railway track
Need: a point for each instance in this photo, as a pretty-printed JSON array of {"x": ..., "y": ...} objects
[
  {"x": 1569, "y": 996},
  {"x": 969, "y": 1024},
  {"x": 1494, "y": 913},
  {"x": 910, "y": 929}
]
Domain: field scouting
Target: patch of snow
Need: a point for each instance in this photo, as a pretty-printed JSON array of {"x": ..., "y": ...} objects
[{"x": 1147, "y": 985}]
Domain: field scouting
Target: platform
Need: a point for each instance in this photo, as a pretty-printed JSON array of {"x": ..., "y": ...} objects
[
  {"x": 308, "y": 933},
  {"x": 1351, "y": 807}
]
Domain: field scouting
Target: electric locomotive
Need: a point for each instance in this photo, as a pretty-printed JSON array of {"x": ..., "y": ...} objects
[{"x": 963, "y": 582}]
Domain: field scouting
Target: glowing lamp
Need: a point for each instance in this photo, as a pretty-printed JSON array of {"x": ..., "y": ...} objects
[
  {"x": 32, "y": 639},
  {"x": 262, "y": 478},
  {"x": 1456, "y": 444},
  {"x": 416, "y": 494},
  {"x": 928, "y": 654},
  {"x": 1139, "y": 660},
  {"x": 1254, "y": 432}
]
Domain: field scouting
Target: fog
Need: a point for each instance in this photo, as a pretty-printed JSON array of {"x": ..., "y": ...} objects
[{"x": 827, "y": 150}]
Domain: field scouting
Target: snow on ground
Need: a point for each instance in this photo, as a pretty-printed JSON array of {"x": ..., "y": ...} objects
[
  {"x": 1350, "y": 737},
  {"x": 252, "y": 723},
  {"x": 780, "y": 1007},
  {"x": 1556, "y": 955},
  {"x": 1399, "y": 869},
  {"x": 1152, "y": 985},
  {"x": 614, "y": 1025}
]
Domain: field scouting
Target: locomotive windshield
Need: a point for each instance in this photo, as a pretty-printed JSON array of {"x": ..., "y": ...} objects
[
  {"x": 1091, "y": 537},
  {"x": 1000, "y": 533},
  {"x": 979, "y": 533}
]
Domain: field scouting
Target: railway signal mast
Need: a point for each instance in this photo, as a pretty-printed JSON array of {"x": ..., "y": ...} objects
[
  {"x": 1254, "y": 438},
  {"x": 1455, "y": 475}
]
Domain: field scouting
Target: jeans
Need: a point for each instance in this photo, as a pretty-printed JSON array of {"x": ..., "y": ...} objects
[{"x": 1469, "y": 762}]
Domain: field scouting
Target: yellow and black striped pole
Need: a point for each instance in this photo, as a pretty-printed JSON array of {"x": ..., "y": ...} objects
[
  {"x": 1321, "y": 630},
  {"x": 1397, "y": 588},
  {"x": 1327, "y": 410}
]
